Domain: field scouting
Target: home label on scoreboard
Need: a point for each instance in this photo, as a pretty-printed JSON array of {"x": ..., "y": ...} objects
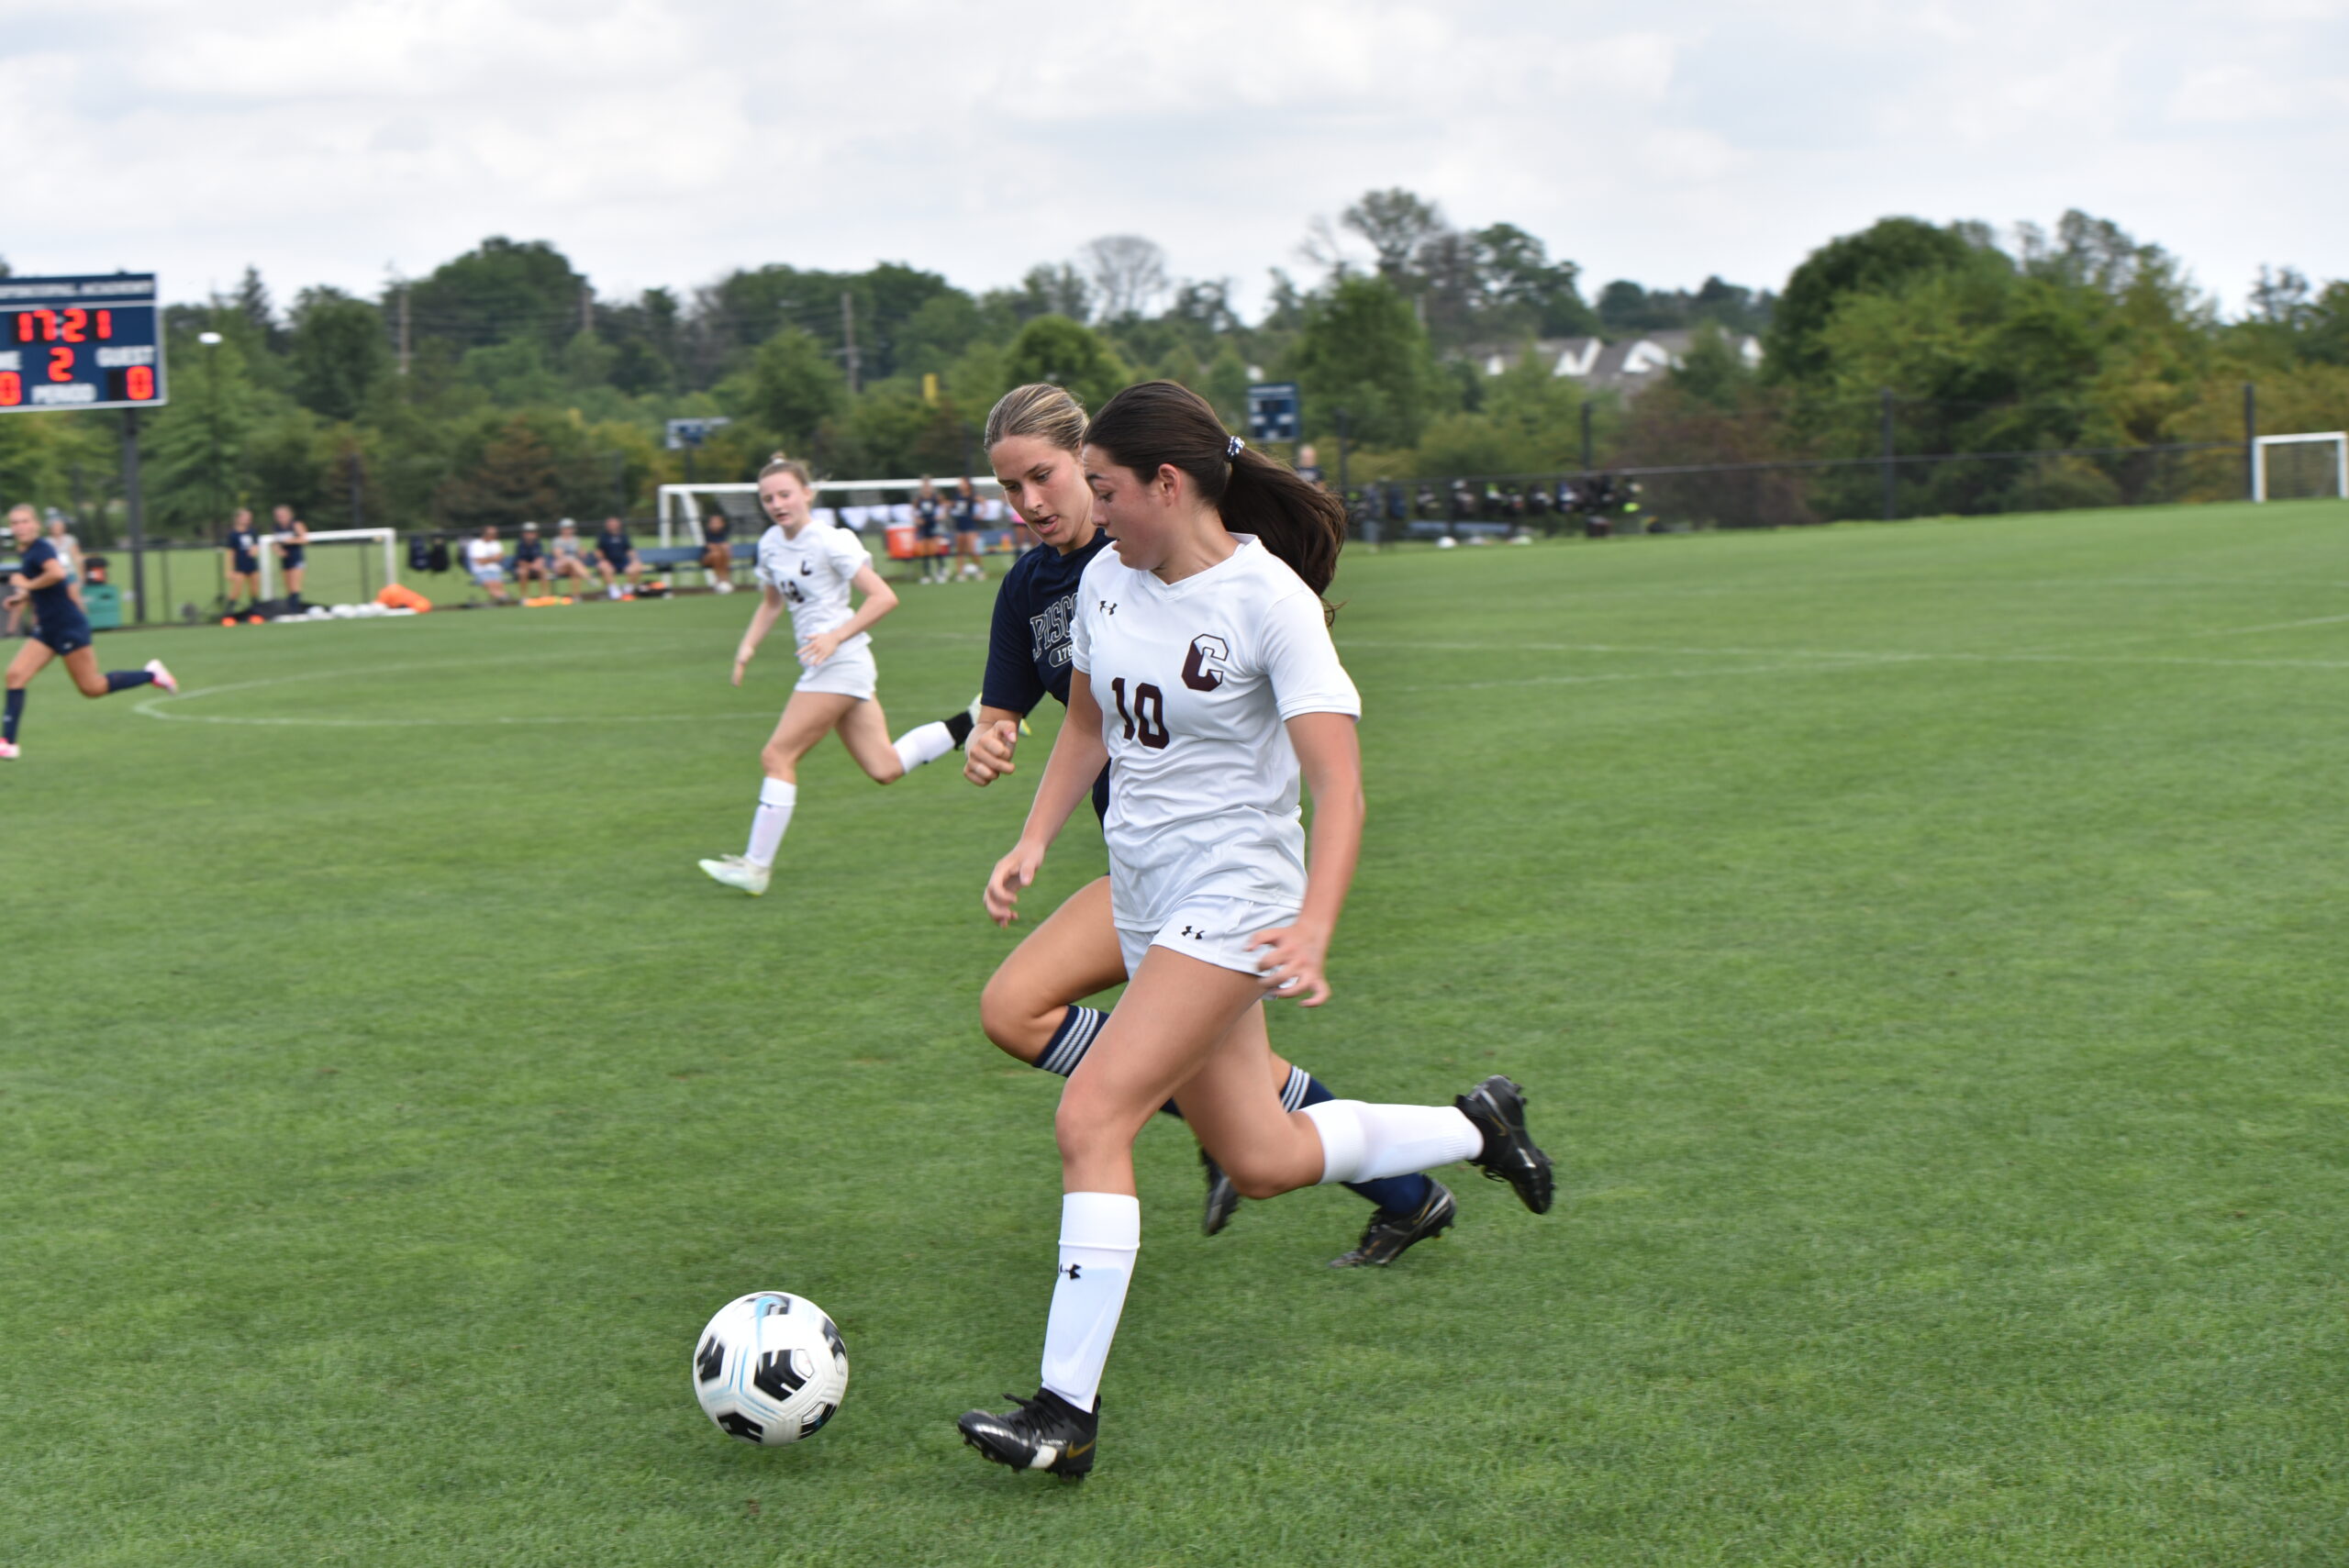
[{"x": 89, "y": 342}]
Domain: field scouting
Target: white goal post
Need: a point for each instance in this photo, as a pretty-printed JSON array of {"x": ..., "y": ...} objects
[
  {"x": 849, "y": 503},
  {"x": 386, "y": 537},
  {"x": 2337, "y": 440}
]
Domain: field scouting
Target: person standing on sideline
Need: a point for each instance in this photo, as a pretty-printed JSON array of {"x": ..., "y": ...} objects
[
  {"x": 60, "y": 631},
  {"x": 242, "y": 548},
  {"x": 929, "y": 531},
  {"x": 966, "y": 531},
  {"x": 810, "y": 569},
  {"x": 292, "y": 541}
]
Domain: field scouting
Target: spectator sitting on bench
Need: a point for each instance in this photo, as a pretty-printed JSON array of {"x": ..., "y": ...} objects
[
  {"x": 616, "y": 558},
  {"x": 530, "y": 562},
  {"x": 568, "y": 554},
  {"x": 485, "y": 561},
  {"x": 717, "y": 551}
]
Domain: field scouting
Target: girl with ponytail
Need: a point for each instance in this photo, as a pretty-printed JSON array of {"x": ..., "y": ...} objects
[
  {"x": 1202, "y": 672},
  {"x": 1032, "y": 1007}
]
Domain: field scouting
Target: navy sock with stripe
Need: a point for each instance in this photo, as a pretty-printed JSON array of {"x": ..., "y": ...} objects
[
  {"x": 1080, "y": 1026},
  {"x": 1395, "y": 1194},
  {"x": 123, "y": 680}
]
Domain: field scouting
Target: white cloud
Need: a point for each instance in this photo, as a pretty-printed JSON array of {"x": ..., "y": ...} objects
[{"x": 667, "y": 143}]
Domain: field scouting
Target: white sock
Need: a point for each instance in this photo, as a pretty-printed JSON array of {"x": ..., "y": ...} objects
[
  {"x": 923, "y": 743},
  {"x": 775, "y": 798},
  {"x": 1100, "y": 1233},
  {"x": 1363, "y": 1142}
]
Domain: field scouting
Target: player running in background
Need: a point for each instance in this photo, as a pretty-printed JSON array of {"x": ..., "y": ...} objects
[
  {"x": 243, "y": 548},
  {"x": 60, "y": 630},
  {"x": 810, "y": 568},
  {"x": 1030, "y": 1007},
  {"x": 293, "y": 545},
  {"x": 1206, "y": 631}
]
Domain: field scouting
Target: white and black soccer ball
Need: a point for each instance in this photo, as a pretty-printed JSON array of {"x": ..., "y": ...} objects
[{"x": 770, "y": 1368}]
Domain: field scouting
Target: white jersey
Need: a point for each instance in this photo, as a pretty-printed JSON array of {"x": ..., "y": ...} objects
[
  {"x": 813, "y": 572},
  {"x": 1197, "y": 680}
]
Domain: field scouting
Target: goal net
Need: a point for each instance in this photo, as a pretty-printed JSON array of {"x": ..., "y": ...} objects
[
  {"x": 867, "y": 505},
  {"x": 2313, "y": 466},
  {"x": 340, "y": 566}
]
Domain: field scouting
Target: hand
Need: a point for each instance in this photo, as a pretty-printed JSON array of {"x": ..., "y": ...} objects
[
  {"x": 818, "y": 648},
  {"x": 1291, "y": 961},
  {"x": 1011, "y": 874},
  {"x": 741, "y": 662},
  {"x": 15, "y": 601},
  {"x": 987, "y": 755}
]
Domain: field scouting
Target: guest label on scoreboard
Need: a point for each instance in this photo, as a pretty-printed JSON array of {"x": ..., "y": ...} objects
[{"x": 80, "y": 342}]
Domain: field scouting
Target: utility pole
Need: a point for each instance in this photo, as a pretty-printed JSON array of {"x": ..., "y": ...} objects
[
  {"x": 1586, "y": 435},
  {"x": 134, "y": 514},
  {"x": 1891, "y": 498},
  {"x": 587, "y": 309},
  {"x": 848, "y": 337},
  {"x": 403, "y": 329},
  {"x": 358, "y": 489},
  {"x": 2251, "y": 441}
]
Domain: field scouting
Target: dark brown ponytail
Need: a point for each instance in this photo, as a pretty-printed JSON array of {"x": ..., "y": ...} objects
[{"x": 1164, "y": 423}]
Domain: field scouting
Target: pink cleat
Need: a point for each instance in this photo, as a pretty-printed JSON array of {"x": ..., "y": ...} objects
[
  {"x": 8, "y": 750},
  {"x": 163, "y": 677}
]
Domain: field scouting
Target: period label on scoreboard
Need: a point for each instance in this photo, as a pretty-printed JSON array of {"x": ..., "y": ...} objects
[{"x": 87, "y": 343}]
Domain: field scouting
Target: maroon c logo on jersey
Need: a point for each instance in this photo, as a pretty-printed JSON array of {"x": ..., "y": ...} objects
[{"x": 1203, "y": 669}]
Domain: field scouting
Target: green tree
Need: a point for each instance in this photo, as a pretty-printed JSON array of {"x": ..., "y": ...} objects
[
  {"x": 499, "y": 291},
  {"x": 791, "y": 387},
  {"x": 338, "y": 350},
  {"x": 1878, "y": 259},
  {"x": 1067, "y": 354},
  {"x": 1362, "y": 348},
  {"x": 200, "y": 466},
  {"x": 510, "y": 475}
]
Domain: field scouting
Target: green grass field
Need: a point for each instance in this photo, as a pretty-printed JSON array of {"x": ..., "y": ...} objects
[{"x": 1923, "y": 945}]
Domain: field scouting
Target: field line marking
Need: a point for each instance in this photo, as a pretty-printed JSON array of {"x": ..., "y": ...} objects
[{"x": 1837, "y": 658}]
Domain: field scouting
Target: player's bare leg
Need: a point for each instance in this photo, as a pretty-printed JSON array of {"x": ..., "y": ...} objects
[{"x": 807, "y": 718}]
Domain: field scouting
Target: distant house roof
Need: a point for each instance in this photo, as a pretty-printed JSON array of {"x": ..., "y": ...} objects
[{"x": 1626, "y": 366}]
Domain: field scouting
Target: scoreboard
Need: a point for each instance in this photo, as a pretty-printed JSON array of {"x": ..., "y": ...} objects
[{"x": 87, "y": 343}]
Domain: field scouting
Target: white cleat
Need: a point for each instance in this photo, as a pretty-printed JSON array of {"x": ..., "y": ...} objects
[
  {"x": 8, "y": 750},
  {"x": 163, "y": 677},
  {"x": 736, "y": 871}
]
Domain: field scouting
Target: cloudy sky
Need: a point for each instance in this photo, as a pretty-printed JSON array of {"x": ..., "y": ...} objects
[{"x": 344, "y": 140}]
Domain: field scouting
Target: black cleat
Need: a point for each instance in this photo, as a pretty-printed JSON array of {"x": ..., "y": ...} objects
[
  {"x": 1388, "y": 1236},
  {"x": 1223, "y": 1198},
  {"x": 1045, "y": 1433},
  {"x": 1497, "y": 1107}
]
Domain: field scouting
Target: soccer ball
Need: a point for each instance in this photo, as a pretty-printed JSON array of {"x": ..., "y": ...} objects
[{"x": 770, "y": 1369}]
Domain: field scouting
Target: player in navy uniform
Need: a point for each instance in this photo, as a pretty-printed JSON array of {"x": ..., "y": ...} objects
[
  {"x": 242, "y": 547},
  {"x": 929, "y": 531},
  {"x": 965, "y": 512},
  {"x": 293, "y": 543},
  {"x": 60, "y": 630},
  {"x": 1221, "y": 699},
  {"x": 1030, "y": 1008}
]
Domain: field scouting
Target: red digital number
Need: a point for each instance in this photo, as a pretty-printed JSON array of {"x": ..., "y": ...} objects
[
  {"x": 12, "y": 389},
  {"x": 140, "y": 383},
  {"x": 106, "y": 325},
  {"x": 61, "y": 364},
  {"x": 77, "y": 325}
]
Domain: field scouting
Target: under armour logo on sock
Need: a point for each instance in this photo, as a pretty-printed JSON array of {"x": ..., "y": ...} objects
[{"x": 1070, "y": 1270}]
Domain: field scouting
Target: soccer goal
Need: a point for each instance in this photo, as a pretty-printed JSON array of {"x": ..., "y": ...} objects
[
  {"x": 863, "y": 505},
  {"x": 2314, "y": 466},
  {"x": 355, "y": 565}
]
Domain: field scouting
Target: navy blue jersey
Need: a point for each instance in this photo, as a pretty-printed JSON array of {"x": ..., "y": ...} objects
[
  {"x": 1028, "y": 652},
  {"x": 714, "y": 529},
  {"x": 245, "y": 545},
  {"x": 967, "y": 513},
  {"x": 53, "y": 606},
  {"x": 528, "y": 548},
  {"x": 613, "y": 548},
  {"x": 928, "y": 511}
]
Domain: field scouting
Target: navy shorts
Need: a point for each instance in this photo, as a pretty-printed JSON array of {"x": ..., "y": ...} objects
[
  {"x": 293, "y": 561},
  {"x": 70, "y": 638},
  {"x": 245, "y": 566}
]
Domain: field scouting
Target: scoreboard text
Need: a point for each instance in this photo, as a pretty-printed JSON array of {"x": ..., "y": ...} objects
[{"x": 91, "y": 342}]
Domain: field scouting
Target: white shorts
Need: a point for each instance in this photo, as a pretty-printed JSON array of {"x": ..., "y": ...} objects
[
  {"x": 851, "y": 672},
  {"x": 1214, "y": 929},
  {"x": 485, "y": 575}
]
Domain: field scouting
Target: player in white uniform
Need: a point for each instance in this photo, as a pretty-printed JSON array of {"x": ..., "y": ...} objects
[
  {"x": 1206, "y": 677},
  {"x": 810, "y": 569}
]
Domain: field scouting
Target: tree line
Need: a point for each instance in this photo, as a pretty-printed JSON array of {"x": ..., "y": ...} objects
[{"x": 502, "y": 386}]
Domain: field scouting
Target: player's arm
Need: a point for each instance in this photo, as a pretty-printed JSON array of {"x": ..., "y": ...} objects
[
  {"x": 1078, "y": 756},
  {"x": 1008, "y": 693},
  {"x": 879, "y": 600},
  {"x": 51, "y": 572},
  {"x": 763, "y": 619},
  {"x": 1328, "y": 753}
]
